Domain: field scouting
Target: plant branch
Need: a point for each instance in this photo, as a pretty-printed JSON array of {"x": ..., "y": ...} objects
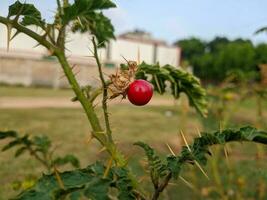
[
  {"x": 43, "y": 161},
  {"x": 162, "y": 186},
  {"x": 27, "y": 31},
  {"x": 105, "y": 91},
  {"x": 199, "y": 149}
]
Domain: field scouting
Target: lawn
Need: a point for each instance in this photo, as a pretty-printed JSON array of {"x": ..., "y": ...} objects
[{"x": 157, "y": 125}]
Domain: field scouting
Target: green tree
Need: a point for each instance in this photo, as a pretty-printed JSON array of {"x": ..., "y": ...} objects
[{"x": 191, "y": 47}]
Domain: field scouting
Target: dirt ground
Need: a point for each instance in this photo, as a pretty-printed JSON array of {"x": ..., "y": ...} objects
[{"x": 61, "y": 102}]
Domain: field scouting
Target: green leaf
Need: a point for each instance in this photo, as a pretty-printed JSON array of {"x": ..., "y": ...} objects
[
  {"x": 97, "y": 189},
  {"x": 8, "y": 134},
  {"x": 84, "y": 16},
  {"x": 47, "y": 187},
  {"x": 180, "y": 81},
  {"x": 16, "y": 142},
  {"x": 67, "y": 159},
  {"x": 157, "y": 167},
  {"x": 102, "y": 4},
  {"x": 97, "y": 24},
  {"x": 42, "y": 142},
  {"x": 32, "y": 15},
  {"x": 88, "y": 182},
  {"x": 20, "y": 151},
  {"x": 200, "y": 147},
  {"x": 124, "y": 184}
]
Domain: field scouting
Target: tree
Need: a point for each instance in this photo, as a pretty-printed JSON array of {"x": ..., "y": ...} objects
[{"x": 191, "y": 47}]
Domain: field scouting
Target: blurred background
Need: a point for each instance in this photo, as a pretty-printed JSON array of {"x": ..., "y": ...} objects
[{"x": 214, "y": 40}]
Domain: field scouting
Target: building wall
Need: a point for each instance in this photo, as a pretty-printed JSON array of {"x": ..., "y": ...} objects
[
  {"x": 78, "y": 48},
  {"x": 129, "y": 50},
  {"x": 36, "y": 72},
  {"x": 25, "y": 64}
]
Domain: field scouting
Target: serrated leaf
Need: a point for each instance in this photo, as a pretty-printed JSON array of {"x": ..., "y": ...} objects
[
  {"x": 180, "y": 81},
  {"x": 88, "y": 182},
  {"x": 84, "y": 16},
  {"x": 102, "y": 4},
  {"x": 8, "y": 134},
  {"x": 67, "y": 159},
  {"x": 123, "y": 184},
  {"x": 97, "y": 24},
  {"x": 31, "y": 15},
  {"x": 200, "y": 147},
  {"x": 97, "y": 189},
  {"x": 157, "y": 167},
  {"x": 47, "y": 187}
]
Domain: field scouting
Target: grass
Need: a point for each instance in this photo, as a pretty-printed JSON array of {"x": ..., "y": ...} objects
[{"x": 157, "y": 125}]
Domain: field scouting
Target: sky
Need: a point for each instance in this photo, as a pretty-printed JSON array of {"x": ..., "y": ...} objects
[{"x": 172, "y": 20}]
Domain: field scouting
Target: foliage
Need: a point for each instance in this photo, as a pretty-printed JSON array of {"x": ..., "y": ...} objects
[
  {"x": 180, "y": 81},
  {"x": 222, "y": 55},
  {"x": 191, "y": 47},
  {"x": 91, "y": 182},
  {"x": 39, "y": 147},
  {"x": 97, "y": 180},
  {"x": 198, "y": 151},
  {"x": 81, "y": 15}
]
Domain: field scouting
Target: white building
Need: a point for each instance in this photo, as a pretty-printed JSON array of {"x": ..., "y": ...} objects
[
  {"x": 128, "y": 45},
  {"x": 133, "y": 46}
]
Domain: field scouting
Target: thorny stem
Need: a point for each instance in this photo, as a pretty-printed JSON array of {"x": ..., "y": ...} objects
[
  {"x": 162, "y": 186},
  {"x": 97, "y": 130},
  {"x": 105, "y": 92}
]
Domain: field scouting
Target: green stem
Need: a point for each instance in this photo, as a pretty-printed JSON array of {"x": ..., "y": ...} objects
[
  {"x": 105, "y": 92},
  {"x": 76, "y": 88},
  {"x": 87, "y": 105}
]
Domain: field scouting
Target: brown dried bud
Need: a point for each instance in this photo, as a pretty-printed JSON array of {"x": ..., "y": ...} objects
[{"x": 121, "y": 80}]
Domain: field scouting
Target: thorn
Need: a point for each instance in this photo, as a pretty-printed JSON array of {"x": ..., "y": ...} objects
[
  {"x": 89, "y": 140},
  {"x": 138, "y": 55},
  {"x": 99, "y": 44},
  {"x": 73, "y": 66},
  {"x": 59, "y": 180},
  {"x": 17, "y": 32},
  {"x": 108, "y": 167},
  {"x": 91, "y": 51},
  {"x": 125, "y": 59},
  {"x": 61, "y": 77},
  {"x": 80, "y": 22},
  {"x": 170, "y": 149},
  {"x": 75, "y": 74},
  {"x": 37, "y": 45},
  {"x": 190, "y": 185},
  {"x": 182, "y": 134},
  {"x": 101, "y": 150},
  {"x": 198, "y": 132},
  {"x": 9, "y": 31},
  {"x": 197, "y": 164},
  {"x": 202, "y": 170}
]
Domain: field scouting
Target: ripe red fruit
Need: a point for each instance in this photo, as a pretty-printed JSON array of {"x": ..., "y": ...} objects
[{"x": 140, "y": 92}]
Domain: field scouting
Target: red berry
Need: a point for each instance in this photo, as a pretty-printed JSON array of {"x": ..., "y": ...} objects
[{"x": 140, "y": 92}]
